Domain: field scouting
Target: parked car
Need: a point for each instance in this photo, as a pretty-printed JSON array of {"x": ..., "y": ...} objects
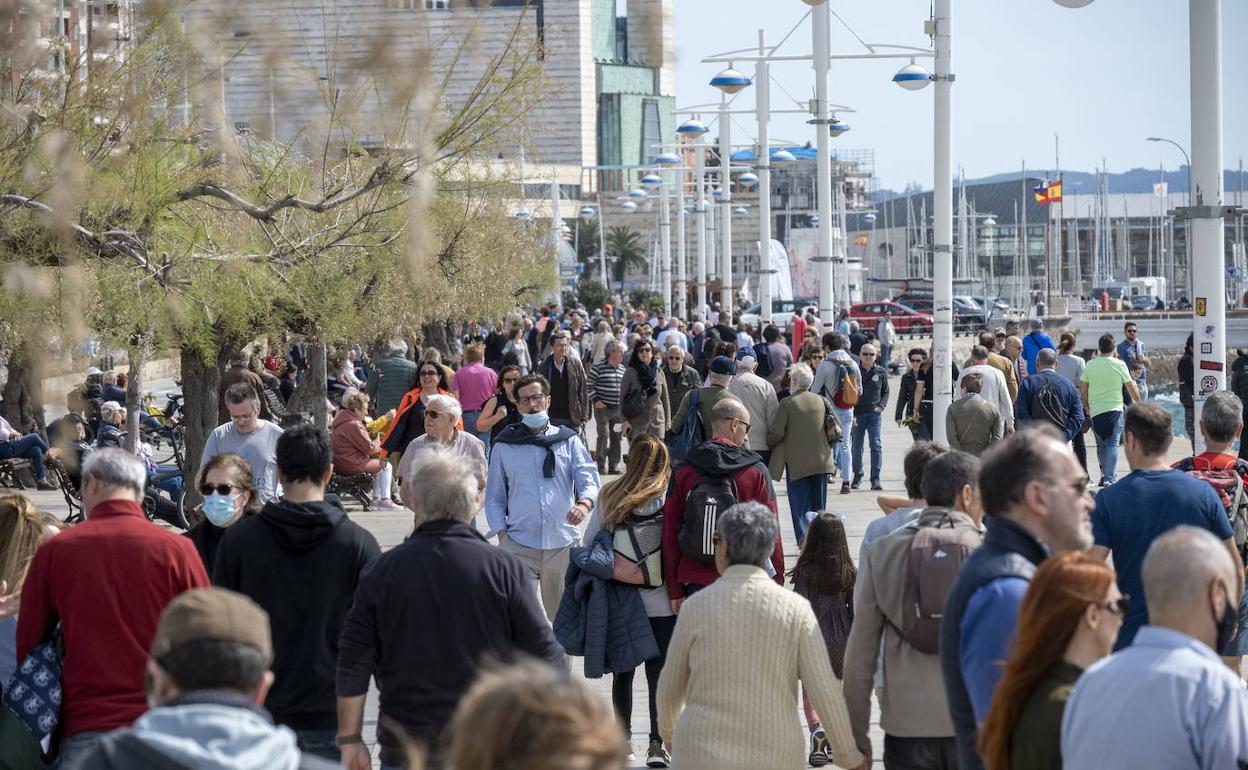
[
  {"x": 781, "y": 312},
  {"x": 968, "y": 314},
  {"x": 905, "y": 319},
  {"x": 1145, "y": 302}
]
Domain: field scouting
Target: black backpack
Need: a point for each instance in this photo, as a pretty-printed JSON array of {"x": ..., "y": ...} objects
[
  {"x": 1046, "y": 406},
  {"x": 763, "y": 356},
  {"x": 710, "y": 496}
]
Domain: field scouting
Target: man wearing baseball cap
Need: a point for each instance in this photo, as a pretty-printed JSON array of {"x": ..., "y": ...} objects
[
  {"x": 719, "y": 376},
  {"x": 207, "y": 676}
]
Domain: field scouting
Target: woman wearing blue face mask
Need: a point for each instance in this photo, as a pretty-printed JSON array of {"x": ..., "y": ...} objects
[{"x": 229, "y": 494}]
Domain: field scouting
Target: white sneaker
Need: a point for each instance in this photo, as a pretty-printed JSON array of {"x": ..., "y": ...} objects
[{"x": 387, "y": 505}]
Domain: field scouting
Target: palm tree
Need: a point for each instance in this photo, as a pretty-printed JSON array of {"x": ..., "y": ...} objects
[{"x": 624, "y": 243}]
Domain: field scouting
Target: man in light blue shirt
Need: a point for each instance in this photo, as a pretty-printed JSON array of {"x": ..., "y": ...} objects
[
  {"x": 542, "y": 485},
  {"x": 1168, "y": 700}
]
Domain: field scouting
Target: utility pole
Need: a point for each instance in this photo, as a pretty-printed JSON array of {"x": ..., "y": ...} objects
[{"x": 942, "y": 202}]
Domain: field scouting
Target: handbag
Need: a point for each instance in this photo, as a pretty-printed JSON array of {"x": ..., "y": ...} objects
[
  {"x": 638, "y": 546},
  {"x": 32, "y": 706},
  {"x": 832, "y": 428}
]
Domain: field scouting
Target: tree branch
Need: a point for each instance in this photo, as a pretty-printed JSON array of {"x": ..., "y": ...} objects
[{"x": 377, "y": 178}]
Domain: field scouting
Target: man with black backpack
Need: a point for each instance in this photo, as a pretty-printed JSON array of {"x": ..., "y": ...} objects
[
  {"x": 1048, "y": 397},
  {"x": 903, "y": 580},
  {"x": 718, "y": 474}
]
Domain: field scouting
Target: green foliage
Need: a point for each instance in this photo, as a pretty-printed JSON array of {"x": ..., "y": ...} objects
[
  {"x": 644, "y": 298},
  {"x": 624, "y": 243},
  {"x": 592, "y": 294},
  {"x": 585, "y": 236}
]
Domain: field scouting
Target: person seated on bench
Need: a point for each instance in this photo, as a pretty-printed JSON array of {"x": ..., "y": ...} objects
[
  {"x": 355, "y": 453},
  {"x": 32, "y": 447}
]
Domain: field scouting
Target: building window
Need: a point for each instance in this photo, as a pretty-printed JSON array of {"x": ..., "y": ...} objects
[
  {"x": 651, "y": 131},
  {"x": 437, "y": 5}
]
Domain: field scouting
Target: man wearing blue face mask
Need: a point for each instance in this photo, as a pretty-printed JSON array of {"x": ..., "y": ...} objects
[{"x": 541, "y": 487}]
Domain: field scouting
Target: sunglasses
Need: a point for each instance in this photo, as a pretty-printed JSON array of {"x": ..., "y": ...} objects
[
  {"x": 432, "y": 415},
  {"x": 511, "y": 380},
  {"x": 220, "y": 489},
  {"x": 428, "y": 373},
  {"x": 1118, "y": 606},
  {"x": 916, "y": 360}
]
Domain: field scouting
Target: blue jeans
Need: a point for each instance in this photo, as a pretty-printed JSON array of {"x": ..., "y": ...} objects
[
  {"x": 75, "y": 751},
  {"x": 808, "y": 494},
  {"x": 31, "y": 447},
  {"x": 319, "y": 743},
  {"x": 868, "y": 424},
  {"x": 841, "y": 450},
  {"x": 171, "y": 485},
  {"x": 1108, "y": 429}
]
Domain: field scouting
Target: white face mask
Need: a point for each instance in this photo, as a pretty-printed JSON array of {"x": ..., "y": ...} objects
[{"x": 219, "y": 509}]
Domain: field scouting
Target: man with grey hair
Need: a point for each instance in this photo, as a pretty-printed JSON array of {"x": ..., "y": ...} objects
[
  {"x": 759, "y": 398},
  {"x": 393, "y": 375},
  {"x": 105, "y": 581},
  {"x": 993, "y": 387},
  {"x": 427, "y": 616},
  {"x": 109, "y": 390},
  {"x": 736, "y": 630},
  {"x": 1048, "y": 397},
  {"x": 603, "y": 384},
  {"x": 442, "y": 414},
  {"x": 718, "y": 473},
  {"x": 1167, "y": 700},
  {"x": 248, "y": 435}
]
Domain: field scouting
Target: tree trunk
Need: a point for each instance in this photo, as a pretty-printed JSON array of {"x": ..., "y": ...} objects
[
  {"x": 200, "y": 381},
  {"x": 134, "y": 396},
  {"x": 311, "y": 395},
  {"x": 23, "y": 392}
]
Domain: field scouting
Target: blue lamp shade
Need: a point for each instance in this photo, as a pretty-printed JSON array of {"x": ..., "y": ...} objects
[
  {"x": 638, "y": 194},
  {"x": 730, "y": 81},
  {"x": 692, "y": 128},
  {"x": 783, "y": 156},
  {"x": 651, "y": 180},
  {"x": 749, "y": 179},
  {"x": 629, "y": 205},
  {"x": 667, "y": 159},
  {"x": 587, "y": 212},
  {"x": 740, "y": 211},
  {"x": 814, "y": 220},
  {"x": 912, "y": 77},
  {"x": 868, "y": 217},
  {"x": 836, "y": 127},
  {"x": 717, "y": 193}
]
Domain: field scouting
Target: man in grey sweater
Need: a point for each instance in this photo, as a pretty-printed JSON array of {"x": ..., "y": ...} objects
[{"x": 972, "y": 424}]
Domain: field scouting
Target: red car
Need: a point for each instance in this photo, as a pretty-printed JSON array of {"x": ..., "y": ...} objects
[{"x": 904, "y": 319}]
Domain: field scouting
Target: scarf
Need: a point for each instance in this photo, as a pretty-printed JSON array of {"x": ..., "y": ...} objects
[
  {"x": 646, "y": 375},
  {"x": 519, "y": 435}
]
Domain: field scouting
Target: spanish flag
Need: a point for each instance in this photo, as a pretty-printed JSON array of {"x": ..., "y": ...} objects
[{"x": 1045, "y": 193}]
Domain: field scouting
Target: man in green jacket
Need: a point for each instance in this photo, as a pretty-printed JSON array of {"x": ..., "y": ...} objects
[
  {"x": 719, "y": 377},
  {"x": 393, "y": 375}
]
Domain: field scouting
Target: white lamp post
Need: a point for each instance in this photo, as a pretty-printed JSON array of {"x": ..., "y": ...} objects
[
  {"x": 821, "y": 17},
  {"x": 728, "y": 81},
  {"x": 1205, "y": 210},
  {"x": 669, "y": 160},
  {"x": 694, "y": 129},
  {"x": 942, "y": 225}
]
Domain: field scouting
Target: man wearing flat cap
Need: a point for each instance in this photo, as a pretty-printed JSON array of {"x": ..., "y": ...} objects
[{"x": 207, "y": 677}]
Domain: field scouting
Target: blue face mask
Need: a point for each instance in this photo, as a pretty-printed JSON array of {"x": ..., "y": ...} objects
[
  {"x": 219, "y": 509},
  {"x": 535, "y": 420}
]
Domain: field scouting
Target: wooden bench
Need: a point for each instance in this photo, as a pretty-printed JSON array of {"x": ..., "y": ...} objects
[
  {"x": 281, "y": 414},
  {"x": 9, "y": 470},
  {"x": 358, "y": 486}
]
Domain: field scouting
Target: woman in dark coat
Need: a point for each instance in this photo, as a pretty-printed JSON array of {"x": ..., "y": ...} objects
[{"x": 643, "y": 377}]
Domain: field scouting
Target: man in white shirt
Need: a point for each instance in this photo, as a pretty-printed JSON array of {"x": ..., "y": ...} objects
[{"x": 994, "y": 389}]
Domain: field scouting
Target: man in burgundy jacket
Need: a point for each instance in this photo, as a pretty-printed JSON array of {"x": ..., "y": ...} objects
[
  {"x": 106, "y": 581},
  {"x": 721, "y": 455}
]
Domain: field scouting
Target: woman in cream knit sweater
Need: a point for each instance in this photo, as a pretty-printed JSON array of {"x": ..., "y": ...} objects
[{"x": 728, "y": 692}]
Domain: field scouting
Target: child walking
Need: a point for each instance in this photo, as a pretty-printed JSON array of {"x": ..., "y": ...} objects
[{"x": 825, "y": 575}]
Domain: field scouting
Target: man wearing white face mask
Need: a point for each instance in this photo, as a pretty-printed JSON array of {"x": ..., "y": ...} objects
[{"x": 542, "y": 485}]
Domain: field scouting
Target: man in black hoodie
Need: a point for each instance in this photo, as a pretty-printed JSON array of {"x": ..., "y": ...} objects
[{"x": 300, "y": 559}]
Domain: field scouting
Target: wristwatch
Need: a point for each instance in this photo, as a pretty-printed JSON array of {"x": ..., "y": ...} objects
[
  {"x": 348, "y": 740},
  {"x": 588, "y": 505}
]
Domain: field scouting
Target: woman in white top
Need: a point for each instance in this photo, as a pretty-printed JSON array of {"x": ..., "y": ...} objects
[{"x": 1071, "y": 366}]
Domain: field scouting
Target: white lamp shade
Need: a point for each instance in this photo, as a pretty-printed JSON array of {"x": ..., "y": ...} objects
[
  {"x": 740, "y": 211},
  {"x": 783, "y": 156},
  {"x": 651, "y": 180},
  {"x": 730, "y": 81},
  {"x": 587, "y": 212},
  {"x": 912, "y": 77},
  {"x": 667, "y": 159},
  {"x": 692, "y": 128},
  {"x": 629, "y": 205},
  {"x": 1073, "y": 3},
  {"x": 868, "y": 218},
  {"x": 749, "y": 179},
  {"x": 638, "y": 194},
  {"x": 836, "y": 127}
]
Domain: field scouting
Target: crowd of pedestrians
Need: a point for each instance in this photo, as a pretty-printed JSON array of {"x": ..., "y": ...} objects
[{"x": 980, "y": 612}]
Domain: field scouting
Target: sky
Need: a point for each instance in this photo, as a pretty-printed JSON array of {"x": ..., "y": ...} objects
[{"x": 1102, "y": 78}]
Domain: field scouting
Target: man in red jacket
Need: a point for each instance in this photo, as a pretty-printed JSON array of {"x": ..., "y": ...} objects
[
  {"x": 720, "y": 458},
  {"x": 106, "y": 581}
]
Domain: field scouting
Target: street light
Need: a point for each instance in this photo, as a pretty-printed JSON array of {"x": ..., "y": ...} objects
[
  {"x": 728, "y": 81},
  {"x": 651, "y": 181},
  {"x": 836, "y": 126},
  {"x": 748, "y": 179},
  {"x": 1185, "y": 156},
  {"x": 912, "y": 77},
  {"x": 587, "y": 213}
]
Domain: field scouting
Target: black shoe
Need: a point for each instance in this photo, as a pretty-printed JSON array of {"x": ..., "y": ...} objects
[
  {"x": 45, "y": 485},
  {"x": 877, "y": 486},
  {"x": 845, "y": 488},
  {"x": 656, "y": 755},
  {"x": 615, "y": 471},
  {"x": 820, "y": 754},
  {"x": 857, "y": 482}
]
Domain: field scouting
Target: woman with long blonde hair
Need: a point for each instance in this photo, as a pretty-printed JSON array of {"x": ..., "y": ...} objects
[
  {"x": 632, "y": 508},
  {"x": 22, "y": 528},
  {"x": 1068, "y": 620}
]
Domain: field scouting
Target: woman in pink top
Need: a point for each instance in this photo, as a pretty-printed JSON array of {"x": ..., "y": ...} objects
[{"x": 475, "y": 383}]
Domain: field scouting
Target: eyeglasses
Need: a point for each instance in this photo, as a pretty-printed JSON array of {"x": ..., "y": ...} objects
[
  {"x": 511, "y": 380},
  {"x": 1118, "y": 606},
  {"x": 817, "y": 357},
  {"x": 743, "y": 422},
  {"x": 220, "y": 489},
  {"x": 432, "y": 415},
  {"x": 428, "y": 373},
  {"x": 916, "y": 360},
  {"x": 532, "y": 399},
  {"x": 1079, "y": 486}
]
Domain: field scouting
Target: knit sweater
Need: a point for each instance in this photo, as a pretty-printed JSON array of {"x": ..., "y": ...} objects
[{"x": 728, "y": 693}]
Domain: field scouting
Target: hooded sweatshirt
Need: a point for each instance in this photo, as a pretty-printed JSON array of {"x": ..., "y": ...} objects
[
  {"x": 206, "y": 731},
  {"x": 716, "y": 457},
  {"x": 301, "y": 562}
]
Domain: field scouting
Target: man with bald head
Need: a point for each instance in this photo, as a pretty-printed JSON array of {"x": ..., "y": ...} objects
[
  {"x": 1049, "y": 398},
  {"x": 1167, "y": 700},
  {"x": 1035, "y": 496},
  {"x": 717, "y": 467}
]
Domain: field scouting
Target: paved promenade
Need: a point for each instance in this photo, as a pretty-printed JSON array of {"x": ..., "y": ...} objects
[{"x": 858, "y": 508}]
